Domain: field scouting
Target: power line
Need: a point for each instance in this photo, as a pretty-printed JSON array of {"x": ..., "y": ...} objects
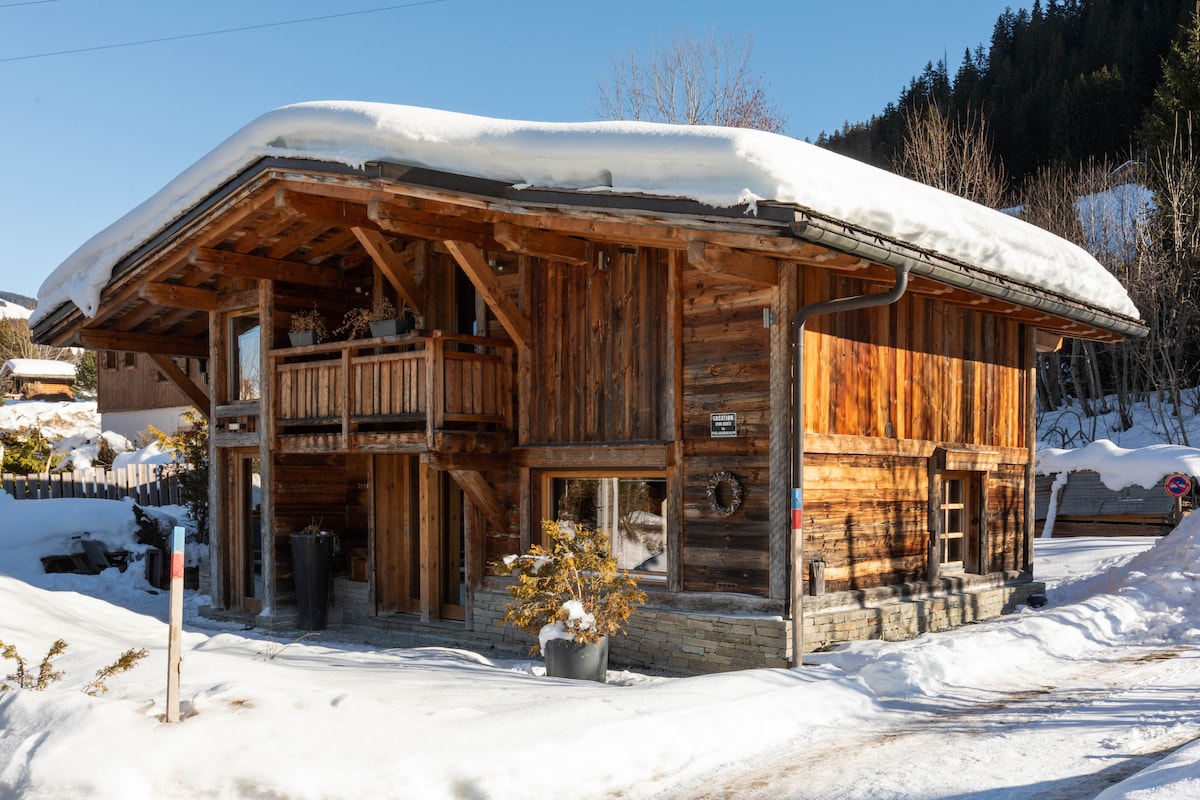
[
  {"x": 27, "y": 3},
  {"x": 210, "y": 33}
]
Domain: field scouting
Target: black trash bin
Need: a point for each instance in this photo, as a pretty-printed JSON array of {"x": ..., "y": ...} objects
[{"x": 312, "y": 556}]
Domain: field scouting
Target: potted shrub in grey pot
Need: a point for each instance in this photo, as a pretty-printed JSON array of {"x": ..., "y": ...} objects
[{"x": 572, "y": 596}]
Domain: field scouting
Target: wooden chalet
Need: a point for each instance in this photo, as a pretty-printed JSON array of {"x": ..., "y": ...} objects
[
  {"x": 133, "y": 391},
  {"x": 620, "y": 358},
  {"x": 38, "y": 379}
]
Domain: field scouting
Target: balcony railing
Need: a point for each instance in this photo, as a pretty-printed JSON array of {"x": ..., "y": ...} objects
[{"x": 413, "y": 383}]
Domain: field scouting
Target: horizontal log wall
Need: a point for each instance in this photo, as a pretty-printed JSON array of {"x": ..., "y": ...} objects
[
  {"x": 726, "y": 368},
  {"x": 328, "y": 489}
]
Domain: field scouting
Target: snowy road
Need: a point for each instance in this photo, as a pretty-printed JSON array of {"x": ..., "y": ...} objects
[{"x": 1098, "y": 723}]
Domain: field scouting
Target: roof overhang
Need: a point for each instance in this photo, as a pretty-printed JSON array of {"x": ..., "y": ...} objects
[{"x": 779, "y": 231}]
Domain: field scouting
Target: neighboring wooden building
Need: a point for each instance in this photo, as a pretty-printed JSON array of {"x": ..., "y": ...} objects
[
  {"x": 38, "y": 378},
  {"x": 617, "y": 357},
  {"x": 133, "y": 391}
]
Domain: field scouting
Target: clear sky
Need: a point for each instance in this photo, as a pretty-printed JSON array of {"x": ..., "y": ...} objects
[{"x": 86, "y": 136}]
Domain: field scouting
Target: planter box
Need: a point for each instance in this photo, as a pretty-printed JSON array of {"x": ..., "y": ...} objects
[
  {"x": 303, "y": 339},
  {"x": 390, "y": 327}
]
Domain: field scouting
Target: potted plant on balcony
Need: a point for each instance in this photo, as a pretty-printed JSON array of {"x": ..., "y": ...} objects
[
  {"x": 307, "y": 328},
  {"x": 313, "y": 550},
  {"x": 381, "y": 319},
  {"x": 571, "y": 594}
]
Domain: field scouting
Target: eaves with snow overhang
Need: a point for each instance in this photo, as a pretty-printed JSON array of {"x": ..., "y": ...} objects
[
  {"x": 780, "y": 231},
  {"x": 291, "y": 205}
]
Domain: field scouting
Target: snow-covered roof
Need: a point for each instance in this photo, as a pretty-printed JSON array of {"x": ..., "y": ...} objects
[
  {"x": 37, "y": 368},
  {"x": 721, "y": 167}
]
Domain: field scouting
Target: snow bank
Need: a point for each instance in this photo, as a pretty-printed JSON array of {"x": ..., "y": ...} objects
[
  {"x": 717, "y": 166},
  {"x": 1120, "y": 467}
]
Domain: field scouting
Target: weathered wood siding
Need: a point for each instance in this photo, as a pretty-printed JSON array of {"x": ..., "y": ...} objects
[
  {"x": 133, "y": 384},
  {"x": 931, "y": 371},
  {"x": 726, "y": 368},
  {"x": 597, "y": 372},
  {"x": 921, "y": 372}
]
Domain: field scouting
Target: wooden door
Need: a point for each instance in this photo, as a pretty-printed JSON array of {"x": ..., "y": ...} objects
[{"x": 395, "y": 529}]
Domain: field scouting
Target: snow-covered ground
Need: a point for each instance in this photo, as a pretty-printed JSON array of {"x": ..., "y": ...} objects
[{"x": 1093, "y": 695}]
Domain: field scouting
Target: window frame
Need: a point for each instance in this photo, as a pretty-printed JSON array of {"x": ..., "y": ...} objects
[{"x": 546, "y": 480}]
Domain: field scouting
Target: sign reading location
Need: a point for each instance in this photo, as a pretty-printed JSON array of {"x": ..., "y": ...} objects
[{"x": 723, "y": 424}]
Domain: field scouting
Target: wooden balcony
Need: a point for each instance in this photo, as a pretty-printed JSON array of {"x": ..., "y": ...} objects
[{"x": 418, "y": 392}]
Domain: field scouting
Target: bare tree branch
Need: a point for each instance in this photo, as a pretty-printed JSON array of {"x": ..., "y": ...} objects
[{"x": 691, "y": 81}]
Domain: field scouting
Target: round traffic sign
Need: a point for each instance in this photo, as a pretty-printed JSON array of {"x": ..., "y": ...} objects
[{"x": 1178, "y": 485}]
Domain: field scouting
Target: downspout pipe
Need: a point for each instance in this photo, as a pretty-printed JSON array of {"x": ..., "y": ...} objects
[{"x": 836, "y": 305}]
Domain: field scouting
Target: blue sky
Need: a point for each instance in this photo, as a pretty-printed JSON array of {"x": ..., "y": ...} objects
[{"x": 85, "y": 137}]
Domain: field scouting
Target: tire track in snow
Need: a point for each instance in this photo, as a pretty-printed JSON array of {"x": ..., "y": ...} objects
[{"x": 1099, "y": 725}]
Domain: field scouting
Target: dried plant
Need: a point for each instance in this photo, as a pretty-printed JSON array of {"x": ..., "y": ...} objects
[
  {"x": 305, "y": 321},
  {"x": 127, "y": 661},
  {"x": 357, "y": 321},
  {"x": 22, "y": 678},
  {"x": 574, "y": 568}
]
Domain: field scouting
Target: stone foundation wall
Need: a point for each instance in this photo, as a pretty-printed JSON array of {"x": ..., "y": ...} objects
[{"x": 688, "y": 642}]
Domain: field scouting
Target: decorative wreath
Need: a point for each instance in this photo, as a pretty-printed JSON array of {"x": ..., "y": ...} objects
[{"x": 735, "y": 492}]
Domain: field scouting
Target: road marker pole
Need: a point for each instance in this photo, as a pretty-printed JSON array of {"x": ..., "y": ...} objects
[{"x": 175, "y": 624}]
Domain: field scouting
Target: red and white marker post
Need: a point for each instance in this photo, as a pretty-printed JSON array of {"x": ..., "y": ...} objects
[{"x": 175, "y": 624}]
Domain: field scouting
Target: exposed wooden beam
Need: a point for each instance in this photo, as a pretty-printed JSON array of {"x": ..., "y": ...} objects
[
  {"x": 402, "y": 221},
  {"x": 476, "y": 487},
  {"x": 476, "y": 267},
  {"x": 734, "y": 263},
  {"x": 170, "y": 294},
  {"x": 393, "y": 266},
  {"x": 343, "y": 213},
  {"x": 143, "y": 343},
  {"x": 236, "y": 301},
  {"x": 543, "y": 244},
  {"x": 177, "y": 376},
  {"x": 224, "y": 262}
]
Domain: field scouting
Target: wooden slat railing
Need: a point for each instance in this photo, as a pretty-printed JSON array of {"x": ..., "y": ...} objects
[
  {"x": 147, "y": 484},
  {"x": 443, "y": 380}
]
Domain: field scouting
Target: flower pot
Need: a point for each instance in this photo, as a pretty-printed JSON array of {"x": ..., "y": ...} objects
[
  {"x": 303, "y": 338},
  {"x": 311, "y": 558},
  {"x": 389, "y": 327},
  {"x": 581, "y": 661}
]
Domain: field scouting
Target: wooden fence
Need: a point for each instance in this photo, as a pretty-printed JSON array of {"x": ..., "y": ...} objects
[{"x": 147, "y": 484}]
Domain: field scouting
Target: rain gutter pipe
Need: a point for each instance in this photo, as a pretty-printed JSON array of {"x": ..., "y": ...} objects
[
  {"x": 873, "y": 247},
  {"x": 836, "y": 305}
]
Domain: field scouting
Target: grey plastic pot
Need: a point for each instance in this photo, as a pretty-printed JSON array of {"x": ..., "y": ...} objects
[{"x": 579, "y": 661}]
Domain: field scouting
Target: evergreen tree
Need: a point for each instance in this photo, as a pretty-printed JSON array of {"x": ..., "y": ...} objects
[{"x": 1174, "y": 116}]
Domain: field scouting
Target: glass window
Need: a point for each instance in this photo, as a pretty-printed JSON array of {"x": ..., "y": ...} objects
[
  {"x": 954, "y": 521},
  {"x": 245, "y": 358},
  {"x": 631, "y": 510}
]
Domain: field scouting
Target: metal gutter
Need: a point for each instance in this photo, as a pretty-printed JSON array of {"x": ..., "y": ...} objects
[
  {"x": 873, "y": 247},
  {"x": 836, "y": 305}
]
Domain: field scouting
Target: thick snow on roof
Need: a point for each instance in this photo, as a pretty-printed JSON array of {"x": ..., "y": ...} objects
[
  {"x": 1121, "y": 467},
  {"x": 721, "y": 167},
  {"x": 37, "y": 368}
]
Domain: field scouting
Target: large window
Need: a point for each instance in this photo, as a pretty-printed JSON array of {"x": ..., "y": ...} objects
[{"x": 631, "y": 510}]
